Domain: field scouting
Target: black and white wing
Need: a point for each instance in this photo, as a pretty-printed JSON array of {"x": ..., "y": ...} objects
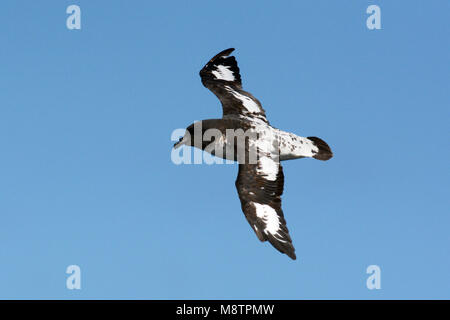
[
  {"x": 260, "y": 187},
  {"x": 221, "y": 76}
]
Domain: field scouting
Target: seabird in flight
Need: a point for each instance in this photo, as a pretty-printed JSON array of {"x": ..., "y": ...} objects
[{"x": 260, "y": 179}]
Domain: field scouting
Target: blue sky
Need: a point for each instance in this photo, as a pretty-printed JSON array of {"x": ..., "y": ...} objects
[{"x": 86, "y": 176}]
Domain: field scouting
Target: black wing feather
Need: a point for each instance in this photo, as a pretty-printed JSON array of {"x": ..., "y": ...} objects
[
  {"x": 222, "y": 76},
  {"x": 254, "y": 188}
]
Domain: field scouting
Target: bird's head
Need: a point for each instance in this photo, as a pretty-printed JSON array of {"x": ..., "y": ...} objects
[
  {"x": 188, "y": 138},
  {"x": 194, "y": 135},
  {"x": 180, "y": 142}
]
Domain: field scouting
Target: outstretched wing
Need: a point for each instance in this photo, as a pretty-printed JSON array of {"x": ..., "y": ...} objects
[
  {"x": 260, "y": 187},
  {"x": 221, "y": 76}
]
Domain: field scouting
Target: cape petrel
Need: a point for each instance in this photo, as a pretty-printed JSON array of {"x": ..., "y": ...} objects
[{"x": 259, "y": 183}]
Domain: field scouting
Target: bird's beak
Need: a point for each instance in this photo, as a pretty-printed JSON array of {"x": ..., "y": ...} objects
[{"x": 179, "y": 143}]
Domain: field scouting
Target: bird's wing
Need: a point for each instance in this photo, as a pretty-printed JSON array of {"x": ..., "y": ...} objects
[
  {"x": 260, "y": 187},
  {"x": 221, "y": 76}
]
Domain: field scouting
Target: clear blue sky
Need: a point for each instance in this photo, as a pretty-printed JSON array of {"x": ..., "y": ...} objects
[{"x": 85, "y": 171}]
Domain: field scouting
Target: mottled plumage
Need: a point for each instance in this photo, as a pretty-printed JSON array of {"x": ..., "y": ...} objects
[{"x": 259, "y": 182}]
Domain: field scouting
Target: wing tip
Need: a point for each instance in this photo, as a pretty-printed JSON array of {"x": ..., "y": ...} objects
[
  {"x": 291, "y": 255},
  {"x": 286, "y": 247},
  {"x": 289, "y": 251},
  {"x": 223, "y": 53},
  {"x": 226, "y": 52}
]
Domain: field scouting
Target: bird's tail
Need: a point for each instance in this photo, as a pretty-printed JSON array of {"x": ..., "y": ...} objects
[{"x": 324, "y": 152}]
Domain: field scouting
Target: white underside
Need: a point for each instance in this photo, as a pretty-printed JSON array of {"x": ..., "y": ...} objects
[
  {"x": 292, "y": 146},
  {"x": 272, "y": 145}
]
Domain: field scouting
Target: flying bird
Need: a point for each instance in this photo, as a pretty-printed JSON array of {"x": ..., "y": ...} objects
[{"x": 259, "y": 182}]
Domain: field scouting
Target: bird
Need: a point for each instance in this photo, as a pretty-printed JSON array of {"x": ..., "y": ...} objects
[{"x": 260, "y": 179}]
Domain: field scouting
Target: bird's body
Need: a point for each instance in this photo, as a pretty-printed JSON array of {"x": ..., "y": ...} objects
[
  {"x": 244, "y": 135},
  {"x": 280, "y": 143}
]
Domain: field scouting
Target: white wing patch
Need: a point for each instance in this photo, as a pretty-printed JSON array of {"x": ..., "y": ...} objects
[
  {"x": 247, "y": 102},
  {"x": 267, "y": 167},
  {"x": 223, "y": 73},
  {"x": 271, "y": 219}
]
